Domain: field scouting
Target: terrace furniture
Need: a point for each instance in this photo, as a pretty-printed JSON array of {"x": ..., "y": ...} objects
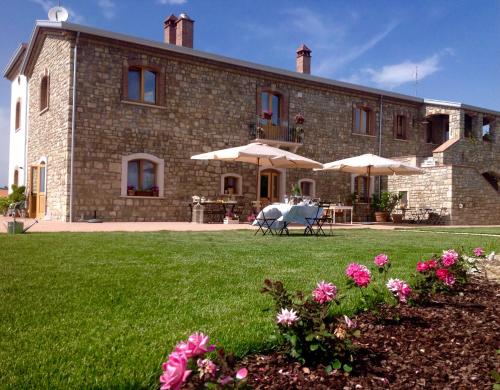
[
  {"x": 315, "y": 224},
  {"x": 264, "y": 222},
  {"x": 215, "y": 210},
  {"x": 334, "y": 208}
]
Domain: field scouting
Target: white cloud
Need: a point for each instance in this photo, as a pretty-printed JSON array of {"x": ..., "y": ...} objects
[
  {"x": 74, "y": 17},
  {"x": 328, "y": 65},
  {"x": 172, "y": 2},
  {"x": 108, "y": 8},
  {"x": 4, "y": 145}
]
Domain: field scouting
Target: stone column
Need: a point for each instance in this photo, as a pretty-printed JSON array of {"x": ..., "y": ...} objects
[
  {"x": 457, "y": 124},
  {"x": 477, "y": 126}
]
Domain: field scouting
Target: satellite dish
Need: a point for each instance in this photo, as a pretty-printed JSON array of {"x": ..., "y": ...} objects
[{"x": 58, "y": 14}]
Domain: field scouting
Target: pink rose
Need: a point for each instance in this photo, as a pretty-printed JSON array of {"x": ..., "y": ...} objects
[
  {"x": 196, "y": 345},
  {"x": 478, "y": 252},
  {"x": 359, "y": 274},
  {"x": 431, "y": 264},
  {"x": 287, "y": 317},
  {"x": 422, "y": 266},
  {"x": 207, "y": 368},
  {"x": 174, "y": 372},
  {"x": 324, "y": 292},
  {"x": 400, "y": 289},
  {"x": 445, "y": 276},
  {"x": 381, "y": 260},
  {"x": 449, "y": 257}
]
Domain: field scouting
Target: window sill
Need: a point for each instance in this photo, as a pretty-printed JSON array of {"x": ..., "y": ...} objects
[
  {"x": 364, "y": 135},
  {"x": 141, "y": 104},
  {"x": 401, "y": 139},
  {"x": 141, "y": 197},
  {"x": 44, "y": 110}
]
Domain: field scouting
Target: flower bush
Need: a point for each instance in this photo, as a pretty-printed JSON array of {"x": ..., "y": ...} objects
[
  {"x": 442, "y": 273},
  {"x": 312, "y": 334},
  {"x": 189, "y": 361}
]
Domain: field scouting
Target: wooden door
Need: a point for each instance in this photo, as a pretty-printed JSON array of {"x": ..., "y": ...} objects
[
  {"x": 37, "y": 195},
  {"x": 269, "y": 185}
]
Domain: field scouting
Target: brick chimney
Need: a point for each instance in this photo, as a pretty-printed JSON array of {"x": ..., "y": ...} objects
[
  {"x": 184, "y": 31},
  {"x": 169, "y": 29},
  {"x": 303, "y": 64}
]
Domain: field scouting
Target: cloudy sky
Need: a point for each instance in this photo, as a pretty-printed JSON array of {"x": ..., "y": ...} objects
[{"x": 453, "y": 44}]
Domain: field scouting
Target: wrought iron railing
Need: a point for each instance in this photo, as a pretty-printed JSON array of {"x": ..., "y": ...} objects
[{"x": 264, "y": 129}]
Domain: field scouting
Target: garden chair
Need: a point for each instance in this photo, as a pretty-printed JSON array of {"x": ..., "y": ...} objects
[
  {"x": 265, "y": 224},
  {"x": 315, "y": 224}
]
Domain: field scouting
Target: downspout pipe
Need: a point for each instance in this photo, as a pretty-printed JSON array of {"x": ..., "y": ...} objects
[
  {"x": 73, "y": 126},
  {"x": 26, "y": 110},
  {"x": 380, "y": 119}
]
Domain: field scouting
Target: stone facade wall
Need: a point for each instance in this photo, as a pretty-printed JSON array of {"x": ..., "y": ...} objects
[
  {"x": 207, "y": 106},
  {"x": 475, "y": 201},
  {"x": 456, "y": 118},
  {"x": 482, "y": 155},
  {"x": 49, "y": 131}
]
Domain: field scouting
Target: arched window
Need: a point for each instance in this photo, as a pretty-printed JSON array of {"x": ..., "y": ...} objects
[
  {"x": 307, "y": 187},
  {"x": 44, "y": 93},
  {"x": 142, "y": 85},
  {"x": 142, "y": 175},
  {"x": 231, "y": 184},
  {"x": 18, "y": 115}
]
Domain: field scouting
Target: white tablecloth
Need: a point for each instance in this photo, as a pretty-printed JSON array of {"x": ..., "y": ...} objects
[{"x": 288, "y": 213}]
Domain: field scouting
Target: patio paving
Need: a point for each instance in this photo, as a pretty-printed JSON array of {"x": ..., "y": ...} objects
[{"x": 54, "y": 226}]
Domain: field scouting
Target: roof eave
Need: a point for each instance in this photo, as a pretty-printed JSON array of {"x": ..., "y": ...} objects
[{"x": 20, "y": 51}]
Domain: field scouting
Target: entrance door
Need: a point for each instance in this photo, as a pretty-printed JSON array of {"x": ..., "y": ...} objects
[
  {"x": 37, "y": 196},
  {"x": 269, "y": 185}
]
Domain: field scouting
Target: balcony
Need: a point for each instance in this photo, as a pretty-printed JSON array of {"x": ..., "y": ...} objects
[{"x": 263, "y": 130}]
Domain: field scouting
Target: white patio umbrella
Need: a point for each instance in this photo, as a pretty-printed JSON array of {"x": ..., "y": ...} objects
[
  {"x": 262, "y": 155},
  {"x": 371, "y": 164}
]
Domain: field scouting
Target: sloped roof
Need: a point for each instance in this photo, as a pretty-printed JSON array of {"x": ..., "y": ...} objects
[{"x": 13, "y": 67}]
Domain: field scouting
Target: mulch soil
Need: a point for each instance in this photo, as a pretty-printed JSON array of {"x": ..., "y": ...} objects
[{"x": 450, "y": 343}]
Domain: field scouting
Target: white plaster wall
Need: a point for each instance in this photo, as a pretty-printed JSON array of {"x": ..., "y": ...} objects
[{"x": 17, "y": 138}]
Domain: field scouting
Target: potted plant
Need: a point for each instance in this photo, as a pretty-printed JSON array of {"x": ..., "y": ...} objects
[
  {"x": 267, "y": 115},
  {"x": 384, "y": 204},
  {"x": 130, "y": 190},
  {"x": 295, "y": 190},
  {"x": 299, "y": 119}
]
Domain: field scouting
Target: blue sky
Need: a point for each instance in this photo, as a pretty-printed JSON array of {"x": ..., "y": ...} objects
[{"x": 453, "y": 43}]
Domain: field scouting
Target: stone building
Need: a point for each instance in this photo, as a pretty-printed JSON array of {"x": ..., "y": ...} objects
[{"x": 111, "y": 121}]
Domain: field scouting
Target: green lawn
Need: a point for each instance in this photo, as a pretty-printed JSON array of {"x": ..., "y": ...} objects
[
  {"x": 102, "y": 310},
  {"x": 474, "y": 230}
]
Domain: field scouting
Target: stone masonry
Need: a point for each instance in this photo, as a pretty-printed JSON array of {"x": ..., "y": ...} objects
[{"x": 205, "y": 105}]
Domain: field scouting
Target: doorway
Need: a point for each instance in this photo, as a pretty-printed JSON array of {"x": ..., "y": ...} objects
[
  {"x": 270, "y": 185},
  {"x": 37, "y": 195}
]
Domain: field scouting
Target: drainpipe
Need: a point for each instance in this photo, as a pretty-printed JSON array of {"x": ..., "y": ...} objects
[
  {"x": 73, "y": 124},
  {"x": 26, "y": 108},
  {"x": 380, "y": 140}
]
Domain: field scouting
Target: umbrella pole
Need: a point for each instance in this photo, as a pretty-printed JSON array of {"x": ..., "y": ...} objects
[{"x": 258, "y": 174}]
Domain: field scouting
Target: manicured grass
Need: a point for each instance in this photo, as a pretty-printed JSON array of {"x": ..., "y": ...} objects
[
  {"x": 476, "y": 230},
  {"x": 102, "y": 310}
]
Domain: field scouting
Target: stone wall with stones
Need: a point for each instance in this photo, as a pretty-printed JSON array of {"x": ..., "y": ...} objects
[
  {"x": 205, "y": 105},
  {"x": 483, "y": 155},
  {"x": 49, "y": 130},
  {"x": 474, "y": 200},
  {"x": 456, "y": 118}
]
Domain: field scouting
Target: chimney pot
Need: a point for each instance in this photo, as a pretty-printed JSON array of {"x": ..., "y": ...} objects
[
  {"x": 303, "y": 62},
  {"x": 169, "y": 35},
  {"x": 184, "y": 31}
]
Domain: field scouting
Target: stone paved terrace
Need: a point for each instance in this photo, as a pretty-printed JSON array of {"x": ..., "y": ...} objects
[{"x": 56, "y": 226}]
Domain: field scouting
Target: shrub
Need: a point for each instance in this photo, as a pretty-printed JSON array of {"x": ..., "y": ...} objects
[
  {"x": 189, "y": 360},
  {"x": 17, "y": 195},
  {"x": 312, "y": 334}
]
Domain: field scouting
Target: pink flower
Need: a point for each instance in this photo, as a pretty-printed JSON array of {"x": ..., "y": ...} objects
[
  {"x": 225, "y": 380},
  {"x": 478, "y": 252},
  {"x": 445, "y": 276},
  {"x": 400, "y": 289},
  {"x": 350, "y": 323},
  {"x": 449, "y": 257},
  {"x": 242, "y": 373},
  {"x": 196, "y": 345},
  {"x": 324, "y": 292},
  {"x": 207, "y": 367},
  {"x": 359, "y": 274},
  {"x": 174, "y": 372},
  {"x": 381, "y": 260},
  {"x": 287, "y": 317},
  {"x": 422, "y": 266},
  {"x": 431, "y": 264}
]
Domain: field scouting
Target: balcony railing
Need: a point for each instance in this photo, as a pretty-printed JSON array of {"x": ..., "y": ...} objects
[{"x": 265, "y": 130}]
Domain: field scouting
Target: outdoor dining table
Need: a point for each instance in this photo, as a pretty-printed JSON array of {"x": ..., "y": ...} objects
[
  {"x": 332, "y": 210},
  {"x": 283, "y": 214}
]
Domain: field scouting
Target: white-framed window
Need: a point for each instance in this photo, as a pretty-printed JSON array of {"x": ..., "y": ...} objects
[
  {"x": 307, "y": 187},
  {"x": 231, "y": 184},
  {"x": 142, "y": 175}
]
